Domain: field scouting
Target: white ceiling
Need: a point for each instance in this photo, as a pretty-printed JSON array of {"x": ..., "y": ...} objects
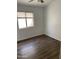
[{"x": 35, "y": 3}]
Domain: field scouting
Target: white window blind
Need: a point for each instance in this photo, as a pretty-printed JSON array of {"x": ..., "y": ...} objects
[
  {"x": 21, "y": 14},
  {"x": 29, "y": 14},
  {"x": 25, "y": 19}
]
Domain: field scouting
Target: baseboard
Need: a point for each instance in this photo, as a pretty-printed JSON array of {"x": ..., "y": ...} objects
[
  {"x": 37, "y": 36},
  {"x": 52, "y": 38},
  {"x": 30, "y": 38}
]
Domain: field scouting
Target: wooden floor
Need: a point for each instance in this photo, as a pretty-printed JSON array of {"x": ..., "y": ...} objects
[{"x": 41, "y": 47}]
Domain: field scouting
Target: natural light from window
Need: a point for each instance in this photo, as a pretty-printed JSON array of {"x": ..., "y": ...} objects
[
  {"x": 21, "y": 23},
  {"x": 30, "y": 22},
  {"x": 25, "y": 19}
]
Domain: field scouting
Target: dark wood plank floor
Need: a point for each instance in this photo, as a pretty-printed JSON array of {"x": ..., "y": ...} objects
[{"x": 41, "y": 47}]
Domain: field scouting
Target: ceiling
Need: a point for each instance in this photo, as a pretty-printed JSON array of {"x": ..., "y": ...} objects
[{"x": 34, "y": 3}]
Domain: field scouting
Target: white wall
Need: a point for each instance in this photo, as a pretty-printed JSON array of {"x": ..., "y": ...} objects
[
  {"x": 47, "y": 21},
  {"x": 38, "y": 21},
  {"x": 53, "y": 19}
]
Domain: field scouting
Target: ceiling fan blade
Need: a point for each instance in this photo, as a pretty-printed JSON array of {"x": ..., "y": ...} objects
[
  {"x": 42, "y": 1},
  {"x": 30, "y": 0}
]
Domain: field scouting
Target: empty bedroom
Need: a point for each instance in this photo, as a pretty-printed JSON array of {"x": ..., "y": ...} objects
[{"x": 38, "y": 29}]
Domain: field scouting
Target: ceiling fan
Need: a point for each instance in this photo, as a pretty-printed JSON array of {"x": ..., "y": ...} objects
[{"x": 42, "y": 1}]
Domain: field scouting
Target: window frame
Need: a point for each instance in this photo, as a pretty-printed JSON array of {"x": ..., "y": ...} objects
[{"x": 26, "y": 20}]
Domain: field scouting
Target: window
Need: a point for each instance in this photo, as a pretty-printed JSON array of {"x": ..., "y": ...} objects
[
  {"x": 30, "y": 22},
  {"x": 25, "y": 19},
  {"x": 21, "y": 23}
]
